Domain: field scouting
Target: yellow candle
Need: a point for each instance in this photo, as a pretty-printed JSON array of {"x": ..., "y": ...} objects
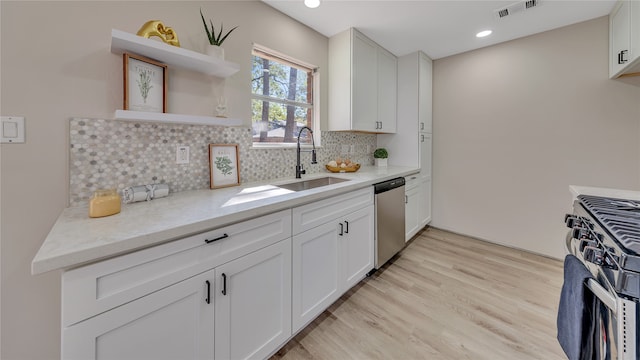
[{"x": 104, "y": 203}]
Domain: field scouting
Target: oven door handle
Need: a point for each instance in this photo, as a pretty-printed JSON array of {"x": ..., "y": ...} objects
[{"x": 602, "y": 294}]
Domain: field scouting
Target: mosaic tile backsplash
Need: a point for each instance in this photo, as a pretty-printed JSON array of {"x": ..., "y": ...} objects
[{"x": 119, "y": 154}]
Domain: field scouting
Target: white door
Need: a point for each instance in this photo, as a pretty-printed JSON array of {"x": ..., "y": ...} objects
[
  {"x": 620, "y": 37},
  {"x": 426, "y": 144},
  {"x": 253, "y": 303},
  {"x": 356, "y": 247},
  {"x": 387, "y": 91},
  {"x": 424, "y": 204},
  {"x": 173, "y": 323},
  {"x": 412, "y": 197},
  {"x": 425, "y": 93},
  {"x": 364, "y": 112},
  {"x": 314, "y": 272}
]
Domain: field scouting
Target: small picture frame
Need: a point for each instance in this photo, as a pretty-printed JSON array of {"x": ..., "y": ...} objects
[
  {"x": 224, "y": 165},
  {"x": 145, "y": 84}
]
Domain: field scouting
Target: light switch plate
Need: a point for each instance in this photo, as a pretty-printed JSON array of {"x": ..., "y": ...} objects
[{"x": 12, "y": 129}]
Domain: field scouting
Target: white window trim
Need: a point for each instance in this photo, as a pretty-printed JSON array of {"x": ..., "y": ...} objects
[{"x": 315, "y": 73}]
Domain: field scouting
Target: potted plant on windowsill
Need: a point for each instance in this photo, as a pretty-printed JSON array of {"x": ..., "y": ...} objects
[
  {"x": 380, "y": 156},
  {"x": 215, "y": 41}
]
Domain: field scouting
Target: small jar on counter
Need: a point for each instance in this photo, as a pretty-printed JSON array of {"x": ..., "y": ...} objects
[{"x": 104, "y": 203}]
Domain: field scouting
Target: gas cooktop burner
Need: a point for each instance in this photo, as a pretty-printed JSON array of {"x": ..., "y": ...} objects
[{"x": 620, "y": 217}]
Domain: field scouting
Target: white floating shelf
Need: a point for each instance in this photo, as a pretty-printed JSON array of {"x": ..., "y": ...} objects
[
  {"x": 175, "y": 118},
  {"x": 122, "y": 42}
]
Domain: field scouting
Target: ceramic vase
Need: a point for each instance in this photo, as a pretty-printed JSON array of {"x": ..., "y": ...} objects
[
  {"x": 215, "y": 52},
  {"x": 381, "y": 162}
]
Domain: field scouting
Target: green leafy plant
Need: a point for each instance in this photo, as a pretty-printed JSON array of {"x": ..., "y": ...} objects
[
  {"x": 211, "y": 34},
  {"x": 381, "y": 153}
]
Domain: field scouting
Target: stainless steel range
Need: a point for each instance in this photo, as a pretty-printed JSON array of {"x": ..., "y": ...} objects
[{"x": 605, "y": 237}]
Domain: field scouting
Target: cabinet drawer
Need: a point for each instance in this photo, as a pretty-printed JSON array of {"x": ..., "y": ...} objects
[
  {"x": 311, "y": 215},
  {"x": 412, "y": 181},
  {"x": 98, "y": 287}
]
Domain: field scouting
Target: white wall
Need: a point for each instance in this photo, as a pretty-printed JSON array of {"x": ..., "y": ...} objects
[
  {"x": 56, "y": 64},
  {"x": 515, "y": 124}
]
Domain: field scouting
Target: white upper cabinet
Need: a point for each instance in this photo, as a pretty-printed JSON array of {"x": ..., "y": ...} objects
[
  {"x": 624, "y": 41},
  {"x": 362, "y": 84},
  {"x": 425, "y": 93},
  {"x": 411, "y": 144}
]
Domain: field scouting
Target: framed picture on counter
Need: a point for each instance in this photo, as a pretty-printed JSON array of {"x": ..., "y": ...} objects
[
  {"x": 145, "y": 84},
  {"x": 223, "y": 165}
]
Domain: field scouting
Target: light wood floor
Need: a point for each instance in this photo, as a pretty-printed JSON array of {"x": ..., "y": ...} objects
[{"x": 445, "y": 296}]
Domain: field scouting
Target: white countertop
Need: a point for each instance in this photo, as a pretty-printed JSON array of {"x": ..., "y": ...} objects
[
  {"x": 76, "y": 239},
  {"x": 604, "y": 192}
]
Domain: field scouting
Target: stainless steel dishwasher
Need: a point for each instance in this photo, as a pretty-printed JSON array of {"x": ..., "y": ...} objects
[{"x": 389, "y": 211}]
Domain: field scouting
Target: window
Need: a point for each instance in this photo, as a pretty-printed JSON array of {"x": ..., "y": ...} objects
[{"x": 282, "y": 98}]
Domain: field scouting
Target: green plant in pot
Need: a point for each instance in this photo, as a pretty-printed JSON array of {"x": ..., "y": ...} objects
[
  {"x": 215, "y": 40},
  {"x": 380, "y": 156}
]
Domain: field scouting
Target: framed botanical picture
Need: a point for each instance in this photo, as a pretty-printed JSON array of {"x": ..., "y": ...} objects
[
  {"x": 145, "y": 84},
  {"x": 223, "y": 165}
]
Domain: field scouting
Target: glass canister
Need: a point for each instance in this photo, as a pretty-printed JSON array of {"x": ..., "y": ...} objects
[{"x": 104, "y": 202}]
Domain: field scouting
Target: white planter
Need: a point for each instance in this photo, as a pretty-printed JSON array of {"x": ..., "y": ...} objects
[
  {"x": 215, "y": 52},
  {"x": 381, "y": 162}
]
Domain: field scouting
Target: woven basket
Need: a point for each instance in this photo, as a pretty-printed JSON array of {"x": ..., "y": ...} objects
[{"x": 337, "y": 169}]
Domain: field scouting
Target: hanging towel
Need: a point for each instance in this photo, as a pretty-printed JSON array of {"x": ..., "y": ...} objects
[{"x": 577, "y": 312}]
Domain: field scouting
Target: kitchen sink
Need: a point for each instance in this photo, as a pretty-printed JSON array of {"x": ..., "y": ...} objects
[{"x": 311, "y": 184}]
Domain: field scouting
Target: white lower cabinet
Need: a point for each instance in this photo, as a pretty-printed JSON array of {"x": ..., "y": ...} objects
[
  {"x": 357, "y": 247},
  {"x": 329, "y": 259},
  {"x": 176, "y": 322},
  {"x": 315, "y": 273},
  {"x": 253, "y": 303},
  {"x": 417, "y": 204},
  {"x": 237, "y": 292},
  {"x": 411, "y": 200}
]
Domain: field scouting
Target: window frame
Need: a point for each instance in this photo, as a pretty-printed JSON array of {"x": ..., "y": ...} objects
[{"x": 264, "y": 52}]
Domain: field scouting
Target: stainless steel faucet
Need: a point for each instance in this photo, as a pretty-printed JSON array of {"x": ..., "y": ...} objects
[{"x": 299, "y": 169}]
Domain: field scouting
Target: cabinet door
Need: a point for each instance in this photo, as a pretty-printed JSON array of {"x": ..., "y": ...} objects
[
  {"x": 412, "y": 197},
  {"x": 315, "y": 272},
  {"x": 620, "y": 41},
  {"x": 173, "y": 323},
  {"x": 425, "y": 92},
  {"x": 387, "y": 98},
  {"x": 253, "y": 303},
  {"x": 356, "y": 247},
  {"x": 426, "y": 143},
  {"x": 424, "y": 203},
  {"x": 364, "y": 84}
]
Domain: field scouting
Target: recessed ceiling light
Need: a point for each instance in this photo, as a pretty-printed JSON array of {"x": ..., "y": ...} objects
[
  {"x": 483, "y": 33},
  {"x": 312, "y": 3}
]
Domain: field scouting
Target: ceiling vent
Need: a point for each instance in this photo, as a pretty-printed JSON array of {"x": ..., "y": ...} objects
[{"x": 516, "y": 8}]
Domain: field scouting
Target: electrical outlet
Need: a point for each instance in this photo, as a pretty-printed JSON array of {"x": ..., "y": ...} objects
[
  {"x": 182, "y": 155},
  {"x": 352, "y": 149}
]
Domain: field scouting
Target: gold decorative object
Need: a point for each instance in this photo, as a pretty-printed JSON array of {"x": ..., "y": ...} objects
[{"x": 157, "y": 28}]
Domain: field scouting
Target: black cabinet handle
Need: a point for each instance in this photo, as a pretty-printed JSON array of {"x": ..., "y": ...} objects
[
  {"x": 346, "y": 231},
  {"x": 341, "y": 229},
  {"x": 224, "y": 284},
  {"x": 208, "y": 299},
  {"x": 216, "y": 239},
  {"x": 406, "y": 199},
  {"x": 621, "y": 59}
]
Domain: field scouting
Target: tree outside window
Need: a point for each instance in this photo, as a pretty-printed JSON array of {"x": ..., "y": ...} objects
[{"x": 282, "y": 99}]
